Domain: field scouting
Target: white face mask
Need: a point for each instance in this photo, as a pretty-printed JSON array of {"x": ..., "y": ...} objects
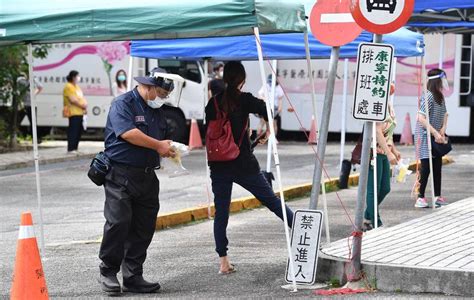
[
  {"x": 221, "y": 74},
  {"x": 157, "y": 103}
]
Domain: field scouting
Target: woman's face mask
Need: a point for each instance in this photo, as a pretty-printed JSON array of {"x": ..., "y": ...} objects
[
  {"x": 122, "y": 77},
  {"x": 77, "y": 79}
]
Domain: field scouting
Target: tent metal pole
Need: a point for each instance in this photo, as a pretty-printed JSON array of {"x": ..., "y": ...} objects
[
  {"x": 276, "y": 158},
  {"x": 324, "y": 129},
  {"x": 35, "y": 143},
  {"x": 314, "y": 119},
  {"x": 441, "y": 51},
  {"x": 130, "y": 71},
  {"x": 428, "y": 133},
  {"x": 344, "y": 111},
  {"x": 310, "y": 74},
  {"x": 208, "y": 173},
  {"x": 272, "y": 103}
]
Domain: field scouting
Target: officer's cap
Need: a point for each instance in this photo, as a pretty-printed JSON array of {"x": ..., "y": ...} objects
[{"x": 156, "y": 79}]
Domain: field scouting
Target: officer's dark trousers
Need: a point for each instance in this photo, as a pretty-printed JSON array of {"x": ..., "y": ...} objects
[
  {"x": 74, "y": 132},
  {"x": 131, "y": 209},
  {"x": 222, "y": 189}
]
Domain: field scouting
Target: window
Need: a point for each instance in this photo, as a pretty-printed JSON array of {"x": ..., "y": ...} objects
[{"x": 187, "y": 69}]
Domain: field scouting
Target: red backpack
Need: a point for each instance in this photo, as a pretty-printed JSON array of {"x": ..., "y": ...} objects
[{"x": 220, "y": 142}]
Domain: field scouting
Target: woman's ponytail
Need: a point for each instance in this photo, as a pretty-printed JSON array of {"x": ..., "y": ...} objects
[{"x": 234, "y": 76}]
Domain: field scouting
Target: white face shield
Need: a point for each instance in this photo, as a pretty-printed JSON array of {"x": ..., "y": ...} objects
[
  {"x": 444, "y": 80},
  {"x": 174, "y": 96}
]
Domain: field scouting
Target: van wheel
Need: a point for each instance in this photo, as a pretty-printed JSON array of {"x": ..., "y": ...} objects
[{"x": 177, "y": 129}]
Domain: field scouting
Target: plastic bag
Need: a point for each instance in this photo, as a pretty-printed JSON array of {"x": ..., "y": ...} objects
[
  {"x": 177, "y": 168},
  {"x": 400, "y": 171}
]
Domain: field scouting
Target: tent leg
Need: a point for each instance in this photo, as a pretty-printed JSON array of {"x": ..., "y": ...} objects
[
  {"x": 35, "y": 143},
  {"x": 310, "y": 74},
  {"x": 441, "y": 51},
  {"x": 276, "y": 158},
  {"x": 130, "y": 71},
  {"x": 428, "y": 133},
  {"x": 272, "y": 105},
  {"x": 208, "y": 174},
  {"x": 344, "y": 111}
]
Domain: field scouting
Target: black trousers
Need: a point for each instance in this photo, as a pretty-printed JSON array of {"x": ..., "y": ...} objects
[
  {"x": 74, "y": 132},
  {"x": 425, "y": 174},
  {"x": 131, "y": 209},
  {"x": 222, "y": 189}
]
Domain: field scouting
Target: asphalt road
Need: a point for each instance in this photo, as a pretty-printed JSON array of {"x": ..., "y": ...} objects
[{"x": 183, "y": 257}]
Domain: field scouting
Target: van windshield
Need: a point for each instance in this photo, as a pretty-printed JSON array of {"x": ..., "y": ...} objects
[{"x": 187, "y": 69}]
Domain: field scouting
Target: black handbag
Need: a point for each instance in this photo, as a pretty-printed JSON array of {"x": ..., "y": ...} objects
[
  {"x": 100, "y": 166},
  {"x": 440, "y": 150}
]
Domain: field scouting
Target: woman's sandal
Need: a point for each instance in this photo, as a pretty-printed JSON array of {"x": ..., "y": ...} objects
[{"x": 230, "y": 271}]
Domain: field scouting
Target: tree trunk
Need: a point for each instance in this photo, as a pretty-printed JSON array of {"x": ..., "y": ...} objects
[{"x": 13, "y": 124}]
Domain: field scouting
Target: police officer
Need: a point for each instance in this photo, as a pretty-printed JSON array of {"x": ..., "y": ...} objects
[{"x": 135, "y": 139}]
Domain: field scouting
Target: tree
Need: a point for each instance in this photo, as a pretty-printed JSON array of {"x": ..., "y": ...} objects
[{"x": 14, "y": 64}]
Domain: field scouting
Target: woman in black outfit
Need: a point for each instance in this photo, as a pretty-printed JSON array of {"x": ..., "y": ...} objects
[{"x": 244, "y": 170}]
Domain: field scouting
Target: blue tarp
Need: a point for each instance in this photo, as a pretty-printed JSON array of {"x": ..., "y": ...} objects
[
  {"x": 444, "y": 24},
  {"x": 441, "y": 5},
  {"x": 275, "y": 46},
  {"x": 442, "y": 16}
]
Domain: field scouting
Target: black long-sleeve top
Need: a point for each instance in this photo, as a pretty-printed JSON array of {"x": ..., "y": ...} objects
[{"x": 246, "y": 162}]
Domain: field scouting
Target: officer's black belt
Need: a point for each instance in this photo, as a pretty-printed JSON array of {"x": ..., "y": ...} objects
[{"x": 146, "y": 170}]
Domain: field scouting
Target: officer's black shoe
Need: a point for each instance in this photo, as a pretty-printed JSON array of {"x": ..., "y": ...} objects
[
  {"x": 137, "y": 284},
  {"x": 109, "y": 284}
]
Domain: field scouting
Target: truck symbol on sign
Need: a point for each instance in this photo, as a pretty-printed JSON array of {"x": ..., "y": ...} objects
[{"x": 381, "y": 5}]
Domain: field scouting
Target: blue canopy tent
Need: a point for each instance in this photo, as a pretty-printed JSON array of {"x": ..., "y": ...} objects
[
  {"x": 275, "y": 46},
  {"x": 455, "y": 16}
]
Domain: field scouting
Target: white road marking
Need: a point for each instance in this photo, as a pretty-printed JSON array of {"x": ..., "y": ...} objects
[{"x": 337, "y": 18}]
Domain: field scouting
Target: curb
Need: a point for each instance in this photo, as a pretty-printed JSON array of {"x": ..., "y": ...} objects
[
  {"x": 31, "y": 163},
  {"x": 400, "y": 279},
  {"x": 198, "y": 213}
]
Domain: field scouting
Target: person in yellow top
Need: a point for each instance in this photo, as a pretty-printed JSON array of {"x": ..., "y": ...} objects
[{"x": 75, "y": 107}]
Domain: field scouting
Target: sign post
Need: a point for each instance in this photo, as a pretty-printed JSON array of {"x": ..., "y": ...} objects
[
  {"x": 332, "y": 24},
  {"x": 305, "y": 238},
  {"x": 378, "y": 17}
]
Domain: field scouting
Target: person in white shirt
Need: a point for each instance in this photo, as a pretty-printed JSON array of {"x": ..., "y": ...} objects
[{"x": 277, "y": 104}]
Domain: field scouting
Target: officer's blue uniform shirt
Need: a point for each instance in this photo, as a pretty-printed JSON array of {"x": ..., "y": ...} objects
[{"x": 129, "y": 111}]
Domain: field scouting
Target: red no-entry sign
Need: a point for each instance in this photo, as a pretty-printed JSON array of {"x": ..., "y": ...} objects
[
  {"x": 382, "y": 16},
  {"x": 332, "y": 24}
]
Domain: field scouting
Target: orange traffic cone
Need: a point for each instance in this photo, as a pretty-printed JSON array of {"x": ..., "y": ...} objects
[
  {"x": 195, "y": 140},
  {"x": 28, "y": 279},
  {"x": 407, "y": 135},
  {"x": 313, "y": 133}
]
